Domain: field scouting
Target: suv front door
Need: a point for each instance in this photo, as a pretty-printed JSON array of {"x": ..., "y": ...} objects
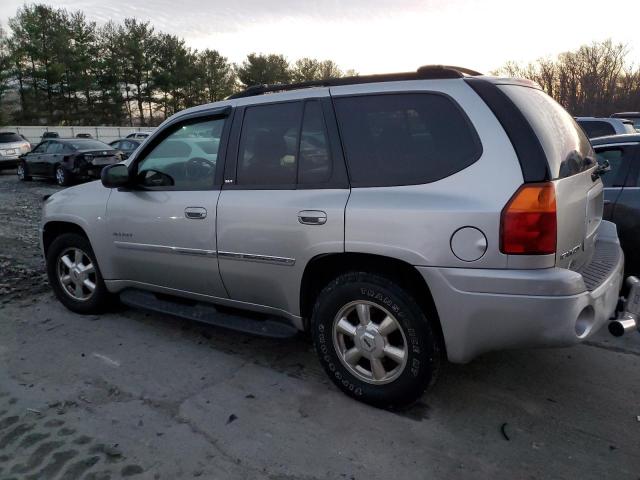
[
  {"x": 163, "y": 230},
  {"x": 283, "y": 200}
]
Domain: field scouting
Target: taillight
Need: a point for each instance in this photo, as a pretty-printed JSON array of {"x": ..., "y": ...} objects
[{"x": 528, "y": 224}]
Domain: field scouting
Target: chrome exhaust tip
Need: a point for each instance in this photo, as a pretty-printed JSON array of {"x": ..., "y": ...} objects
[
  {"x": 628, "y": 319},
  {"x": 619, "y": 327}
]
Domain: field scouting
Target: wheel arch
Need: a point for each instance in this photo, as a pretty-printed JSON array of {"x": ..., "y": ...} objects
[
  {"x": 53, "y": 229},
  {"x": 320, "y": 270}
]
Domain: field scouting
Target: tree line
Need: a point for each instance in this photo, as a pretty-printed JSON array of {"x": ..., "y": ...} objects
[
  {"x": 594, "y": 80},
  {"x": 58, "y": 68}
]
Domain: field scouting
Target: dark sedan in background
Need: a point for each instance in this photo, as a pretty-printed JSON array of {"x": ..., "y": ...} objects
[
  {"x": 67, "y": 160},
  {"x": 622, "y": 192},
  {"x": 126, "y": 145}
]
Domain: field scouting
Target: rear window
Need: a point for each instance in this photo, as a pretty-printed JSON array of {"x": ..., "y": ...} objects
[
  {"x": 87, "y": 144},
  {"x": 566, "y": 146},
  {"x": 596, "y": 128},
  {"x": 405, "y": 139},
  {"x": 9, "y": 137}
]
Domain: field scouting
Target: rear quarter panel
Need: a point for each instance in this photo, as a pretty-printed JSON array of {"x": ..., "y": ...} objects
[{"x": 415, "y": 223}]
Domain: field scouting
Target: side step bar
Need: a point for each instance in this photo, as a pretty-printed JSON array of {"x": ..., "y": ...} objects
[
  {"x": 629, "y": 319},
  {"x": 207, "y": 313}
]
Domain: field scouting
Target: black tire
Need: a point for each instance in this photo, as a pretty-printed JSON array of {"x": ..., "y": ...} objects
[
  {"x": 423, "y": 352},
  {"x": 23, "y": 172},
  {"x": 100, "y": 298},
  {"x": 63, "y": 177}
]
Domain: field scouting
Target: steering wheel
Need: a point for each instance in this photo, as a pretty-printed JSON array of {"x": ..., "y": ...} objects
[{"x": 199, "y": 167}]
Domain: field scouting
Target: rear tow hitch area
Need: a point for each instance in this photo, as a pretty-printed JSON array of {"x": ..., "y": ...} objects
[{"x": 629, "y": 318}]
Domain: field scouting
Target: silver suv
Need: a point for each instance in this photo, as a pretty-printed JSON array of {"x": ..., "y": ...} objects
[{"x": 400, "y": 219}]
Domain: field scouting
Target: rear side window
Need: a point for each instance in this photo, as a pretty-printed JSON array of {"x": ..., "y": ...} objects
[
  {"x": 565, "y": 145},
  {"x": 405, "y": 139},
  {"x": 595, "y": 129}
]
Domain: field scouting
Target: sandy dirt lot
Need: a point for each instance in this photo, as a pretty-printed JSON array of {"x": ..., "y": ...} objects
[{"x": 133, "y": 394}]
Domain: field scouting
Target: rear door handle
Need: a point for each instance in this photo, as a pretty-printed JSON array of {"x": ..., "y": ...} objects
[
  {"x": 312, "y": 217},
  {"x": 195, "y": 213}
]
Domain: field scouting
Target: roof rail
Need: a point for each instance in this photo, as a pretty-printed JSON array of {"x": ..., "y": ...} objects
[{"x": 427, "y": 72}]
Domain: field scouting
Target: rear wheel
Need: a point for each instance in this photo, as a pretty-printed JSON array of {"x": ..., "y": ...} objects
[
  {"x": 23, "y": 174},
  {"x": 63, "y": 178},
  {"x": 74, "y": 274},
  {"x": 374, "y": 341}
]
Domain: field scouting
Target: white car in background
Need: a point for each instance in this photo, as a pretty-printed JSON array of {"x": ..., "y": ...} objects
[{"x": 12, "y": 146}]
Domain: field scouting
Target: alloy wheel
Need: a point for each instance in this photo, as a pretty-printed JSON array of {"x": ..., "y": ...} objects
[
  {"x": 370, "y": 342},
  {"x": 77, "y": 274}
]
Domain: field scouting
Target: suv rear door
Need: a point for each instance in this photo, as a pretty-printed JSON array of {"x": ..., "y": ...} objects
[{"x": 283, "y": 199}]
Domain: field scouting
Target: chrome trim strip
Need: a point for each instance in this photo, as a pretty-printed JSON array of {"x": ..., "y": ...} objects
[
  {"x": 249, "y": 257},
  {"x": 623, "y": 144},
  {"x": 165, "y": 249}
]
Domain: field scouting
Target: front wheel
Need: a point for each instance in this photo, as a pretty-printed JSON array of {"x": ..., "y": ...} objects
[
  {"x": 23, "y": 175},
  {"x": 74, "y": 274},
  {"x": 374, "y": 340}
]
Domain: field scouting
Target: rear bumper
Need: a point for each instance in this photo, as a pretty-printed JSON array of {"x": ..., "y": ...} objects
[
  {"x": 89, "y": 171},
  {"x": 8, "y": 161},
  {"x": 483, "y": 310}
]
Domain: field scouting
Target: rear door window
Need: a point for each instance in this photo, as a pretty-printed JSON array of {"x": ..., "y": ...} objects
[
  {"x": 315, "y": 155},
  {"x": 619, "y": 162},
  {"x": 269, "y": 145},
  {"x": 404, "y": 139}
]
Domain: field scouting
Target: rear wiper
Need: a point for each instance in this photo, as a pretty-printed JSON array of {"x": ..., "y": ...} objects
[{"x": 601, "y": 169}]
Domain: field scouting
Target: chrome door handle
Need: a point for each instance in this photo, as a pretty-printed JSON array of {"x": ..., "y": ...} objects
[
  {"x": 312, "y": 217},
  {"x": 195, "y": 213}
]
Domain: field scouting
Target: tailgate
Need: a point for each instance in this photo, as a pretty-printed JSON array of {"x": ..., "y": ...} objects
[{"x": 579, "y": 203}]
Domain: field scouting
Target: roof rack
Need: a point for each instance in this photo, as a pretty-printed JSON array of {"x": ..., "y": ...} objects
[{"x": 427, "y": 72}]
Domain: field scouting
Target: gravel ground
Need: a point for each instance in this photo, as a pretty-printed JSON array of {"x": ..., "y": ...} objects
[{"x": 137, "y": 395}]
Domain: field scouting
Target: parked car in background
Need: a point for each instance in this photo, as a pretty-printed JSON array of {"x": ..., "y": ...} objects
[
  {"x": 67, "y": 160},
  {"x": 622, "y": 192},
  {"x": 600, "y": 127},
  {"x": 12, "y": 146},
  {"x": 84, "y": 135},
  {"x": 126, "y": 145},
  {"x": 139, "y": 135},
  {"x": 47, "y": 135},
  {"x": 401, "y": 219},
  {"x": 633, "y": 116}
]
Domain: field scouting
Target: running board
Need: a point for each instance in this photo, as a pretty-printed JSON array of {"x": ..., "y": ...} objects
[{"x": 207, "y": 313}]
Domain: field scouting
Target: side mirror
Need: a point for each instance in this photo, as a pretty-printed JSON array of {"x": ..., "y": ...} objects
[{"x": 115, "y": 176}]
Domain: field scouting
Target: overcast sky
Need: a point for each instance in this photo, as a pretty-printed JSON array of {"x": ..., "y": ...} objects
[{"x": 379, "y": 35}]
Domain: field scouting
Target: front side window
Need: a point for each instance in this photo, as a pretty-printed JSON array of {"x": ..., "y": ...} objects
[
  {"x": 269, "y": 145},
  {"x": 40, "y": 148},
  {"x": 54, "y": 147},
  {"x": 618, "y": 162},
  {"x": 404, "y": 139},
  {"x": 185, "y": 159}
]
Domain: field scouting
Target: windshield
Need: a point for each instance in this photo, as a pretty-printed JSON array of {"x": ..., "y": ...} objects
[
  {"x": 10, "y": 137},
  {"x": 87, "y": 144}
]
